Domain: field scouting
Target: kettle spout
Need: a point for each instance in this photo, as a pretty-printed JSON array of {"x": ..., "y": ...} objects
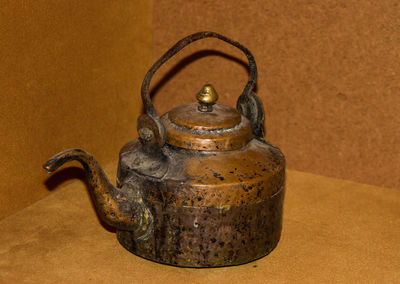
[{"x": 121, "y": 208}]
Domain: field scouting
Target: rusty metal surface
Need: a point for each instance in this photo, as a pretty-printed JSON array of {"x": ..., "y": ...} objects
[
  {"x": 118, "y": 208},
  {"x": 211, "y": 196},
  {"x": 208, "y": 198},
  {"x": 208, "y": 236}
]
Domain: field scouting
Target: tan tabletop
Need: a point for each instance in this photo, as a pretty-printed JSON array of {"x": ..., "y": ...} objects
[{"x": 333, "y": 231}]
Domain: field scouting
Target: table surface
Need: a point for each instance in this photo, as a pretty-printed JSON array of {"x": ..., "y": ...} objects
[{"x": 333, "y": 231}]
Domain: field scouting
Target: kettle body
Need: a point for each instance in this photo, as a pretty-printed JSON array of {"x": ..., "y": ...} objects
[
  {"x": 210, "y": 208},
  {"x": 200, "y": 187}
]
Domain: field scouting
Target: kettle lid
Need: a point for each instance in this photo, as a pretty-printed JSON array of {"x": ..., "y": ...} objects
[{"x": 205, "y": 125}]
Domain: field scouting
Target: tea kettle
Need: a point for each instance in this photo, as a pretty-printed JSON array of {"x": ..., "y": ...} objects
[{"x": 200, "y": 187}]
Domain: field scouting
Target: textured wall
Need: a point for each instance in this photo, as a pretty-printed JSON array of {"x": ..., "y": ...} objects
[
  {"x": 70, "y": 76},
  {"x": 328, "y": 76}
]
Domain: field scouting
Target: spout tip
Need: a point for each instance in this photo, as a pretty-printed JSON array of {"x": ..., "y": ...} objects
[
  {"x": 59, "y": 159},
  {"x": 49, "y": 166}
]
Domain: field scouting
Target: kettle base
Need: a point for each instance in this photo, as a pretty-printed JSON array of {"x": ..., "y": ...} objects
[
  {"x": 205, "y": 265},
  {"x": 210, "y": 237}
]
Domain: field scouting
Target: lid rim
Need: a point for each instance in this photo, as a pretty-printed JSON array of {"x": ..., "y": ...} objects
[
  {"x": 221, "y": 117},
  {"x": 221, "y": 139}
]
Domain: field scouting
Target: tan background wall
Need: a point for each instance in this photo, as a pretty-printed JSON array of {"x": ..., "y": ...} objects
[
  {"x": 328, "y": 76},
  {"x": 70, "y": 75}
]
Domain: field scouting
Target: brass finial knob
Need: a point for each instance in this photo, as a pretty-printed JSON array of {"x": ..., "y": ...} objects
[{"x": 207, "y": 97}]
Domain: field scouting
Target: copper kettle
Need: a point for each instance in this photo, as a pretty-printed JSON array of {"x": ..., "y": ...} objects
[{"x": 200, "y": 187}]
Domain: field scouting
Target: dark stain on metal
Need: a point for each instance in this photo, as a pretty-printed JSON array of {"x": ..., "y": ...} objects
[{"x": 200, "y": 187}]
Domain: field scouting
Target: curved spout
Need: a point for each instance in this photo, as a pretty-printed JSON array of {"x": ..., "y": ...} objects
[{"x": 123, "y": 209}]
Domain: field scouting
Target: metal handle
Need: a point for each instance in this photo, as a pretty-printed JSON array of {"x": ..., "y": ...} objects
[{"x": 248, "y": 104}]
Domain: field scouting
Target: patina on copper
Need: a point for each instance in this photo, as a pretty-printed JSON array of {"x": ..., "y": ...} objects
[
  {"x": 200, "y": 187},
  {"x": 208, "y": 128}
]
